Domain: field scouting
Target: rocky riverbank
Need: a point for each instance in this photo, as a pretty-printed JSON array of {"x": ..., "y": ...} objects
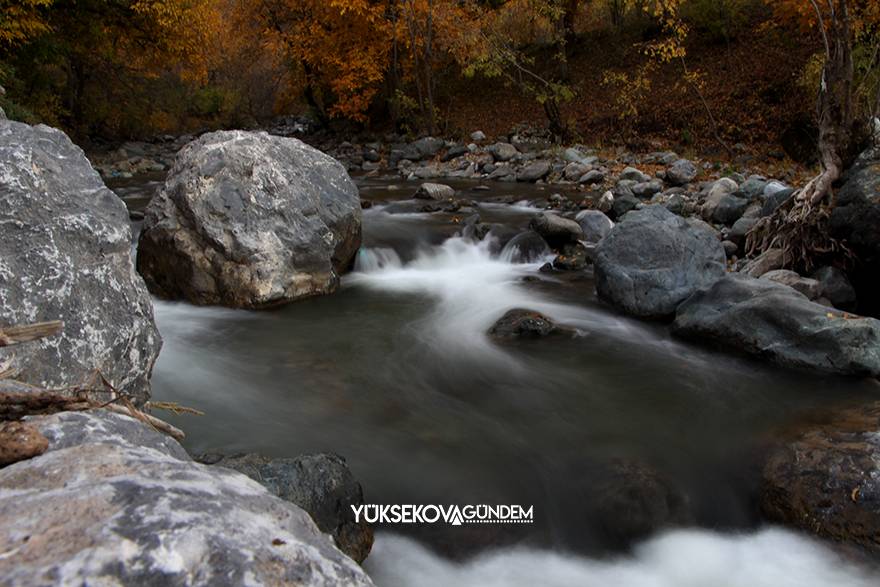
[
  {"x": 256, "y": 220},
  {"x": 104, "y": 497}
]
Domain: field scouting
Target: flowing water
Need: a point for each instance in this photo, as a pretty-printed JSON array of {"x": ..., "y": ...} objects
[{"x": 395, "y": 372}]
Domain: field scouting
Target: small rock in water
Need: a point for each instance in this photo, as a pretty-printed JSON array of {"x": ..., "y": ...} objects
[
  {"x": 434, "y": 191},
  {"x": 523, "y": 324},
  {"x": 557, "y": 231},
  {"x": 573, "y": 257}
]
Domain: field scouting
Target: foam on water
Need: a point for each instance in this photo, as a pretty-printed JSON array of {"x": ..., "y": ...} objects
[
  {"x": 768, "y": 558},
  {"x": 472, "y": 289}
]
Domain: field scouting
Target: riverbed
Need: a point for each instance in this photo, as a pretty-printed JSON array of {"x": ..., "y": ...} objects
[{"x": 396, "y": 373}]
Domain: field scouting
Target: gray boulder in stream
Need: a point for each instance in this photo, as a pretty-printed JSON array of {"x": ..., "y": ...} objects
[
  {"x": 250, "y": 220},
  {"x": 653, "y": 260},
  {"x": 65, "y": 254},
  {"x": 776, "y": 323},
  {"x": 320, "y": 484},
  {"x": 113, "y": 502}
]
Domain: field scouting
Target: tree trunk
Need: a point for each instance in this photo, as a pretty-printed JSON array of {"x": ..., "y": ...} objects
[{"x": 800, "y": 228}]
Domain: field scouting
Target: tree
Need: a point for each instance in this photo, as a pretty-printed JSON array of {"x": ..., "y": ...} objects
[
  {"x": 800, "y": 227},
  {"x": 21, "y": 20}
]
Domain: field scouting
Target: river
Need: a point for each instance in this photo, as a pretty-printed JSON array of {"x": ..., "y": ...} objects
[{"x": 395, "y": 372}]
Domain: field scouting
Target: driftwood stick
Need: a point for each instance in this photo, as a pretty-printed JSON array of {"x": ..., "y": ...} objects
[
  {"x": 11, "y": 335},
  {"x": 17, "y": 405},
  {"x": 160, "y": 425}
]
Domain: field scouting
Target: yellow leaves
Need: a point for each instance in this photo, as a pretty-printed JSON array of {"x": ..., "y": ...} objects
[{"x": 21, "y": 20}]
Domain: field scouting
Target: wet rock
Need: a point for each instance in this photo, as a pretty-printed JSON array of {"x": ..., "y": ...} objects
[
  {"x": 809, "y": 287},
  {"x": 769, "y": 260},
  {"x": 250, "y": 220},
  {"x": 434, "y": 191},
  {"x": 526, "y": 247},
  {"x": 572, "y": 257},
  {"x": 101, "y": 508},
  {"x": 826, "y": 480},
  {"x": 533, "y": 171},
  {"x": 65, "y": 254},
  {"x": 776, "y": 323},
  {"x": 454, "y": 152},
  {"x": 836, "y": 287},
  {"x": 557, "y": 231},
  {"x": 523, "y": 324},
  {"x": 653, "y": 260},
  {"x": 594, "y": 224},
  {"x": 503, "y": 151},
  {"x": 320, "y": 484},
  {"x": 681, "y": 172}
]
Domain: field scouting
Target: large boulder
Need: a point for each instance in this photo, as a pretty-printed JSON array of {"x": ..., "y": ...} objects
[
  {"x": 826, "y": 479},
  {"x": 320, "y": 484},
  {"x": 776, "y": 323},
  {"x": 250, "y": 220},
  {"x": 856, "y": 218},
  {"x": 65, "y": 254},
  {"x": 113, "y": 502},
  {"x": 653, "y": 260}
]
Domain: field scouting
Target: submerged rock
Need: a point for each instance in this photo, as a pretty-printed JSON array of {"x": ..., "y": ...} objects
[
  {"x": 826, "y": 481},
  {"x": 653, "y": 260},
  {"x": 776, "y": 323},
  {"x": 320, "y": 484},
  {"x": 65, "y": 254},
  {"x": 526, "y": 247},
  {"x": 250, "y": 220},
  {"x": 114, "y": 502},
  {"x": 631, "y": 501}
]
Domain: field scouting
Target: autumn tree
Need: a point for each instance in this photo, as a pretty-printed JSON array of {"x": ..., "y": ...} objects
[{"x": 800, "y": 227}]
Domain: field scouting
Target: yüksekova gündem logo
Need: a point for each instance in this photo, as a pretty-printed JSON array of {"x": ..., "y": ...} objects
[{"x": 453, "y": 515}]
